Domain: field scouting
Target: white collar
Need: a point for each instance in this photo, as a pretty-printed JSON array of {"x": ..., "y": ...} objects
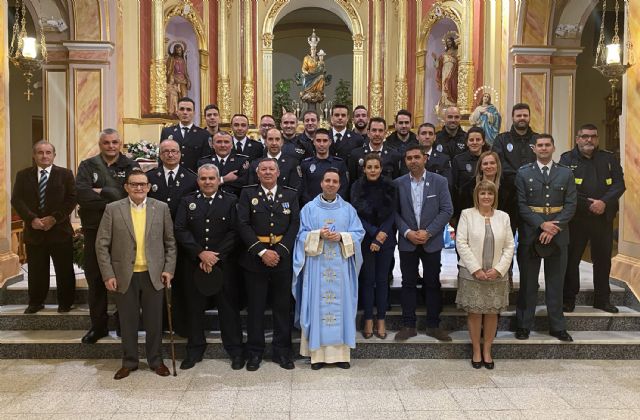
[
  {"x": 243, "y": 141},
  {"x": 136, "y": 206},
  {"x": 272, "y": 191},
  {"x": 188, "y": 127},
  {"x": 48, "y": 169},
  {"x": 209, "y": 198},
  {"x": 175, "y": 170},
  {"x": 222, "y": 159},
  {"x": 339, "y": 132},
  {"x": 372, "y": 149},
  {"x": 422, "y": 178},
  {"x": 548, "y": 165},
  {"x": 277, "y": 157}
]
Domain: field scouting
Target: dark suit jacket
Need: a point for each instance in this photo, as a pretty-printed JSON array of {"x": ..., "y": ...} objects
[
  {"x": 186, "y": 182},
  {"x": 59, "y": 202},
  {"x": 253, "y": 149},
  {"x": 290, "y": 172},
  {"x": 436, "y": 211},
  {"x": 234, "y": 162},
  {"x": 347, "y": 143},
  {"x": 193, "y": 147}
]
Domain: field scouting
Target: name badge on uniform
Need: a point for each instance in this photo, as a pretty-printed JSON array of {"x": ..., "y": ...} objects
[
  {"x": 468, "y": 167},
  {"x": 121, "y": 174},
  {"x": 154, "y": 188},
  {"x": 254, "y": 201},
  {"x": 608, "y": 181},
  {"x": 312, "y": 168},
  {"x": 95, "y": 177},
  {"x": 510, "y": 147},
  {"x": 192, "y": 206},
  {"x": 439, "y": 148},
  {"x": 361, "y": 162}
]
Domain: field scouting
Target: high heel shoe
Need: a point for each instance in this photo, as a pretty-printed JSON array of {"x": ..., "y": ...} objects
[
  {"x": 367, "y": 334},
  {"x": 476, "y": 365},
  {"x": 378, "y": 334},
  {"x": 488, "y": 365}
]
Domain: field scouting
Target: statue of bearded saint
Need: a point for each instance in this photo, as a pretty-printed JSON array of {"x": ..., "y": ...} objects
[
  {"x": 447, "y": 73},
  {"x": 178, "y": 82}
]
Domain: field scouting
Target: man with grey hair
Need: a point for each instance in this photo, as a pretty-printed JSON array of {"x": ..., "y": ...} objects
[
  {"x": 44, "y": 196},
  {"x": 100, "y": 181},
  {"x": 205, "y": 228}
]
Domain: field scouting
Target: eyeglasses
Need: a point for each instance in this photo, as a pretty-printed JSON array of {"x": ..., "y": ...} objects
[
  {"x": 588, "y": 136},
  {"x": 138, "y": 184},
  {"x": 168, "y": 152}
]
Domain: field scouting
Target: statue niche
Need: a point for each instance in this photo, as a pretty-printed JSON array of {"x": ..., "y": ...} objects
[{"x": 182, "y": 63}]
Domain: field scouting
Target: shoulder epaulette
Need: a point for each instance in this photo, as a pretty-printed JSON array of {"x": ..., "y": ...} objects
[
  {"x": 337, "y": 158},
  {"x": 606, "y": 151},
  {"x": 242, "y": 155},
  {"x": 250, "y": 186},
  {"x": 286, "y": 187},
  {"x": 307, "y": 159}
]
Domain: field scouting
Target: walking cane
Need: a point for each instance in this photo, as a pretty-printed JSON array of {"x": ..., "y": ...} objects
[{"x": 173, "y": 348}]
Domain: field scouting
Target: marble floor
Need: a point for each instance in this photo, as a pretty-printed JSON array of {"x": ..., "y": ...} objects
[{"x": 371, "y": 389}]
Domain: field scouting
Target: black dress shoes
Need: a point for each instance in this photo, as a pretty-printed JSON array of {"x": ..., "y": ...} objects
[
  {"x": 568, "y": 307},
  {"x": 32, "y": 309},
  {"x": 476, "y": 365},
  {"x": 343, "y": 365},
  {"x": 607, "y": 307},
  {"x": 253, "y": 363},
  {"x": 489, "y": 365},
  {"x": 64, "y": 309},
  {"x": 92, "y": 336},
  {"x": 317, "y": 366},
  {"x": 190, "y": 362},
  {"x": 237, "y": 362},
  {"x": 522, "y": 333},
  {"x": 285, "y": 362},
  {"x": 561, "y": 335}
]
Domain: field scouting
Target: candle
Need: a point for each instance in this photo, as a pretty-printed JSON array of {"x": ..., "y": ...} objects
[
  {"x": 29, "y": 47},
  {"x": 613, "y": 54}
]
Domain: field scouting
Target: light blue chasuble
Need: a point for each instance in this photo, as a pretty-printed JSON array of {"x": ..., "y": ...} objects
[{"x": 325, "y": 285}]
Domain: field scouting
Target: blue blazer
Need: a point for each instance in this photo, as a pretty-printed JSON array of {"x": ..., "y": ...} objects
[{"x": 436, "y": 211}]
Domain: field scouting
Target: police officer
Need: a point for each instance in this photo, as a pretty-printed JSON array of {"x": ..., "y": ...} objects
[
  {"x": 376, "y": 144},
  {"x": 205, "y": 228},
  {"x": 547, "y": 202},
  {"x": 291, "y": 143},
  {"x": 344, "y": 140},
  {"x": 242, "y": 144},
  {"x": 452, "y": 139},
  {"x": 100, "y": 181},
  {"x": 600, "y": 183},
  {"x": 233, "y": 167},
  {"x": 361, "y": 122},
  {"x": 463, "y": 166},
  {"x": 437, "y": 162},
  {"x": 310, "y": 124},
  {"x": 290, "y": 175},
  {"x": 403, "y": 137},
  {"x": 268, "y": 222},
  {"x": 169, "y": 183},
  {"x": 515, "y": 148},
  {"x": 313, "y": 168},
  {"x": 192, "y": 139}
]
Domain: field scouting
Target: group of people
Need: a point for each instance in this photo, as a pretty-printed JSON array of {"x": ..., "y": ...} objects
[{"x": 230, "y": 222}]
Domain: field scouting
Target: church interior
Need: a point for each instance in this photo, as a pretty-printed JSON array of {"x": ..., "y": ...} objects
[{"x": 103, "y": 63}]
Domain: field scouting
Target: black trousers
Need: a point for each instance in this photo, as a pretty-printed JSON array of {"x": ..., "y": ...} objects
[
  {"x": 141, "y": 293},
  {"x": 598, "y": 232},
  {"x": 260, "y": 286},
  {"x": 374, "y": 276},
  {"x": 228, "y": 304},
  {"x": 38, "y": 279},
  {"x": 409, "y": 261},
  {"x": 97, "y": 291}
]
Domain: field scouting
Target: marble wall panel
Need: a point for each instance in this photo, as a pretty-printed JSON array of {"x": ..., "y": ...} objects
[
  {"x": 88, "y": 111},
  {"x": 87, "y": 20},
  {"x": 536, "y": 22},
  {"x": 533, "y": 91}
]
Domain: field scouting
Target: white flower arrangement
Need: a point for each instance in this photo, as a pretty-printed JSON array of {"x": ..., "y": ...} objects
[{"x": 142, "y": 150}]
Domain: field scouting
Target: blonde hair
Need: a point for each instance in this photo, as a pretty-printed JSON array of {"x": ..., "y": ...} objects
[
  {"x": 485, "y": 185},
  {"x": 480, "y": 175}
]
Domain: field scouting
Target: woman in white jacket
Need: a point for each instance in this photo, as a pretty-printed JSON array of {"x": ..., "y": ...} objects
[{"x": 485, "y": 244}]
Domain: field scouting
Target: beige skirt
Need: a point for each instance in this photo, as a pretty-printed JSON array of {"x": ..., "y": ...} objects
[{"x": 482, "y": 296}]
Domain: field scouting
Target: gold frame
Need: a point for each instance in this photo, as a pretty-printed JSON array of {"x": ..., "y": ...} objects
[
  {"x": 458, "y": 12},
  {"x": 265, "y": 54}
]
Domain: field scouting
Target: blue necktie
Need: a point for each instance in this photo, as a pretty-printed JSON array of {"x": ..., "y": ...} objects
[{"x": 42, "y": 187}]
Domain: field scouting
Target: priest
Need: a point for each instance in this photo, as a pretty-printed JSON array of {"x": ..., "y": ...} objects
[{"x": 326, "y": 264}]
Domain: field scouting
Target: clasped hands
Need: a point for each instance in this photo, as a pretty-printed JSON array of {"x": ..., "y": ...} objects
[
  {"x": 207, "y": 260},
  {"x": 490, "y": 274},
  {"x": 549, "y": 230},
  {"x": 43, "y": 223},
  {"x": 418, "y": 237},
  {"x": 112, "y": 284},
  {"x": 329, "y": 235},
  {"x": 380, "y": 237}
]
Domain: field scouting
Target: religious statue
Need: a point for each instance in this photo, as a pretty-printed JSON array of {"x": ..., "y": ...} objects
[
  {"x": 178, "y": 82},
  {"x": 313, "y": 77},
  {"x": 486, "y": 116},
  {"x": 447, "y": 71}
]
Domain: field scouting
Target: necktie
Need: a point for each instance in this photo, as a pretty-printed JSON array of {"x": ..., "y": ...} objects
[
  {"x": 221, "y": 163},
  {"x": 184, "y": 132},
  {"x": 42, "y": 187},
  {"x": 270, "y": 197},
  {"x": 338, "y": 137},
  {"x": 545, "y": 174},
  {"x": 171, "y": 179},
  {"x": 239, "y": 147}
]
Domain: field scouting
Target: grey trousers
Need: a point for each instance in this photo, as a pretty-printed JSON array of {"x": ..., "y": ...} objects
[{"x": 140, "y": 292}]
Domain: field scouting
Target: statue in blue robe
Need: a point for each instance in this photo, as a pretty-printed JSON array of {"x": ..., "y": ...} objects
[{"x": 325, "y": 281}]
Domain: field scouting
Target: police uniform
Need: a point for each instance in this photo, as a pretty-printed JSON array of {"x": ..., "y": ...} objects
[
  {"x": 184, "y": 182},
  {"x": 313, "y": 170},
  {"x": 600, "y": 178},
  {"x": 463, "y": 169},
  {"x": 233, "y": 162},
  {"x": 293, "y": 148},
  {"x": 342, "y": 147},
  {"x": 194, "y": 143},
  {"x": 268, "y": 225},
  {"x": 208, "y": 224},
  {"x": 290, "y": 174},
  {"x": 390, "y": 162},
  {"x": 252, "y": 149},
  {"x": 451, "y": 145},
  {"x": 95, "y": 173},
  {"x": 540, "y": 201},
  {"x": 307, "y": 144},
  {"x": 393, "y": 140}
]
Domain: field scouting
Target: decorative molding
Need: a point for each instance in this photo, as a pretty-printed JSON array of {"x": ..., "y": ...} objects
[
  {"x": 376, "y": 103},
  {"x": 400, "y": 94},
  {"x": 248, "y": 95},
  {"x": 465, "y": 82},
  {"x": 189, "y": 13},
  {"x": 358, "y": 41},
  {"x": 158, "y": 87},
  {"x": 275, "y": 8},
  {"x": 224, "y": 98},
  {"x": 349, "y": 9}
]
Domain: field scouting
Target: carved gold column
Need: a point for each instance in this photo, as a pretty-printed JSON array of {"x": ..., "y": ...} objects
[
  {"x": 224, "y": 83},
  {"x": 375, "y": 95},
  {"x": 401, "y": 87},
  {"x": 248, "y": 92},
  {"x": 465, "y": 69},
  {"x": 158, "y": 83},
  {"x": 9, "y": 262}
]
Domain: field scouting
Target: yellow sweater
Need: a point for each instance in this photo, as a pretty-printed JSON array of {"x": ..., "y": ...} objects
[{"x": 139, "y": 219}]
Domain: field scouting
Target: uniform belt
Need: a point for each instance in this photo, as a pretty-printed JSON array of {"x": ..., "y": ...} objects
[
  {"x": 271, "y": 239},
  {"x": 546, "y": 210}
]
